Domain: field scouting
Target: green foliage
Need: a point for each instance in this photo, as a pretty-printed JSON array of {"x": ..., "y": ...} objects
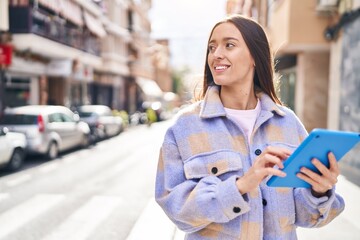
[
  {"x": 178, "y": 78},
  {"x": 124, "y": 115}
]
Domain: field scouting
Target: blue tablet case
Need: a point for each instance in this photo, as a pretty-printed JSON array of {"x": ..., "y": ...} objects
[{"x": 316, "y": 145}]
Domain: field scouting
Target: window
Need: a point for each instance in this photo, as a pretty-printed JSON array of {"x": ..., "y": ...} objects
[
  {"x": 66, "y": 118},
  {"x": 287, "y": 87},
  {"x": 18, "y": 119},
  {"x": 55, "y": 117}
]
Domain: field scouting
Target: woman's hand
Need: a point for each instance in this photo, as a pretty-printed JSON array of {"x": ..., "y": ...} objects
[
  {"x": 263, "y": 167},
  {"x": 321, "y": 183}
]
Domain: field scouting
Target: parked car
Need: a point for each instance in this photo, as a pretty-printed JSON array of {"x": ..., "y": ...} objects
[
  {"x": 102, "y": 122},
  {"x": 138, "y": 118},
  {"x": 12, "y": 149},
  {"x": 48, "y": 129}
]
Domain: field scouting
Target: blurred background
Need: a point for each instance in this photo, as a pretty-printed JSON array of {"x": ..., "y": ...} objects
[{"x": 88, "y": 88}]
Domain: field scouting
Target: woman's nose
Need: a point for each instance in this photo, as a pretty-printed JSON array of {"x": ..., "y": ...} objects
[{"x": 218, "y": 54}]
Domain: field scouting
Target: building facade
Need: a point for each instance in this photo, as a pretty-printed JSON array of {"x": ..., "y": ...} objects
[
  {"x": 316, "y": 45},
  {"x": 75, "y": 52}
]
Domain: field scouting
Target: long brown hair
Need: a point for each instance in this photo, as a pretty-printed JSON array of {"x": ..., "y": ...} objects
[{"x": 258, "y": 44}]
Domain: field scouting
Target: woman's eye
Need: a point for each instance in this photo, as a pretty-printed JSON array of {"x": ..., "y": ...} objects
[
  {"x": 212, "y": 48},
  {"x": 230, "y": 45}
]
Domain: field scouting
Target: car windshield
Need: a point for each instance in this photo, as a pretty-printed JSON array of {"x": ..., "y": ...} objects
[
  {"x": 18, "y": 119},
  {"x": 86, "y": 114}
]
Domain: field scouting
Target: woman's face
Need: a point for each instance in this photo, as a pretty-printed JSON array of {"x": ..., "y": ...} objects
[{"x": 229, "y": 58}]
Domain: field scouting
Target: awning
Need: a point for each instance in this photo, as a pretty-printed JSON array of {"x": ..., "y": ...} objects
[
  {"x": 149, "y": 88},
  {"x": 71, "y": 11},
  {"x": 51, "y": 4},
  {"x": 66, "y": 8},
  {"x": 94, "y": 25},
  {"x": 112, "y": 28},
  {"x": 53, "y": 50}
]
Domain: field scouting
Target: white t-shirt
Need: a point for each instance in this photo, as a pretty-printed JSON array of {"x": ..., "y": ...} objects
[{"x": 245, "y": 118}]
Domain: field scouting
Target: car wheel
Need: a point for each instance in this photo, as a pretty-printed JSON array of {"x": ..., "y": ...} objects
[
  {"x": 86, "y": 141},
  {"x": 121, "y": 129},
  {"x": 53, "y": 151},
  {"x": 106, "y": 134},
  {"x": 16, "y": 160}
]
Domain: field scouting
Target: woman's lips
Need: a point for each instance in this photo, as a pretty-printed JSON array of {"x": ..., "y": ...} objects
[{"x": 221, "y": 68}]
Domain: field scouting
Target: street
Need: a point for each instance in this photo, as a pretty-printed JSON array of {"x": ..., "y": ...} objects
[
  {"x": 95, "y": 193},
  {"x": 107, "y": 192}
]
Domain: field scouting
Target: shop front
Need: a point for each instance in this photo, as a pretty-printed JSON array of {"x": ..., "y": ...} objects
[{"x": 22, "y": 82}]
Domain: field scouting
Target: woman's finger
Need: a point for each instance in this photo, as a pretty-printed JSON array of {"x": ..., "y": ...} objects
[
  {"x": 269, "y": 160},
  {"x": 319, "y": 186},
  {"x": 271, "y": 171},
  {"x": 282, "y": 153},
  {"x": 326, "y": 173},
  {"x": 316, "y": 177},
  {"x": 304, "y": 177},
  {"x": 321, "y": 167},
  {"x": 334, "y": 166}
]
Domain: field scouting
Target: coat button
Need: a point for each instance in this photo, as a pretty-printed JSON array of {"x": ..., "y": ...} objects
[
  {"x": 214, "y": 170},
  {"x": 264, "y": 202},
  {"x": 236, "y": 210},
  {"x": 257, "y": 152}
]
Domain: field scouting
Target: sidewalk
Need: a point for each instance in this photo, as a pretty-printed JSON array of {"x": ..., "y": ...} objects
[{"x": 154, "y": 224}]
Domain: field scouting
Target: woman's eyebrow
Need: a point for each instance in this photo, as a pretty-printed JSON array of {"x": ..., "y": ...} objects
[
  {"x": 230, "y": 38},
  {"x": 225, "y": 39}
]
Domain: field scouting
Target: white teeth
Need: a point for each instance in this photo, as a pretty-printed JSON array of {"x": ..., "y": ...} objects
[{"x": 220, "y": 67}]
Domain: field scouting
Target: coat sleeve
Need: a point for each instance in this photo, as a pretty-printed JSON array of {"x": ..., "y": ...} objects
[
  {"x": 192, "y": 204},
  {"x": 316, "y": 212}
]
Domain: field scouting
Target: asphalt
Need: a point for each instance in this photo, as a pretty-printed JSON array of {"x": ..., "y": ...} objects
[{"x": 154, "y": 224}]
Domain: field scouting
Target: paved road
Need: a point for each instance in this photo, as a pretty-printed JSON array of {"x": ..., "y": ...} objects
[
  {"x": 90, "y": 194},
  {"x": 106, "y": 193}
]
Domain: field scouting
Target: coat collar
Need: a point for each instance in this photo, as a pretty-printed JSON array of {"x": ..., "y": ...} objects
[{"x": 212, "y": 106}]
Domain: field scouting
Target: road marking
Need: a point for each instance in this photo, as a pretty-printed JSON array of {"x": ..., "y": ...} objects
[
  {"x": 18, "y": 216},
  {"x": 152, "y": 224},
  {"x": 84, "y": 221},
  {"x": 18, "y": 180}
]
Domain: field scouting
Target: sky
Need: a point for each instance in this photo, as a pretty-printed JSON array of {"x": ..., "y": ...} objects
[{"x": 187, "y": 25}]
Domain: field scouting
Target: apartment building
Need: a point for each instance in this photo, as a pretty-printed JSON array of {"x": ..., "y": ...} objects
[
  {"x": 73, "y": 52},
  {"x": 316, "y": 50},
  {"x": 316, "y": 45}
]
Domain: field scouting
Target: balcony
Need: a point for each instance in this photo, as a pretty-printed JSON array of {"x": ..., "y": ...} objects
[
  {"x": 296, "y": 26},
  {"x": 41, "y": 22}
]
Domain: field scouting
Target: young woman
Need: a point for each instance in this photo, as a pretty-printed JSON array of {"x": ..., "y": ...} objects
[{"x": 219, "y": 153}]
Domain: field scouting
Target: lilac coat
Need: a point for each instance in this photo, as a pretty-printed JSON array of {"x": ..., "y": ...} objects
[{"x": 202, "y": 155}]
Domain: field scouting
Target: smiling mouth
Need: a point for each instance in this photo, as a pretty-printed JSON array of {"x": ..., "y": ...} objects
[{"x": 221, "y": 67}]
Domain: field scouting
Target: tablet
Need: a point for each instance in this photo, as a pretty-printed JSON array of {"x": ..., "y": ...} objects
[{"x": 316, "y": 145}]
